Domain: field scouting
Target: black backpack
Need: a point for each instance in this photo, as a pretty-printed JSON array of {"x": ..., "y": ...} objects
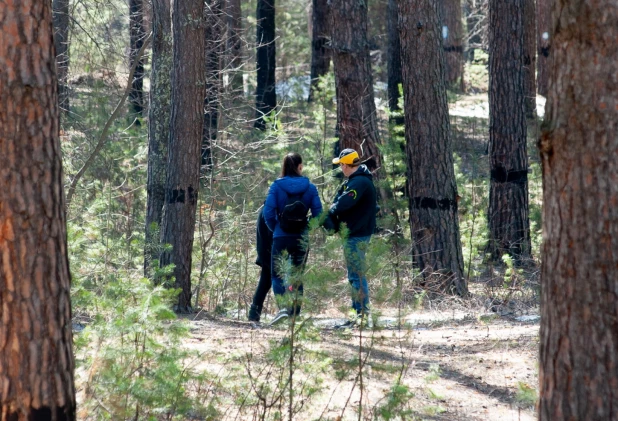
[{"x": 293, "y": 218}]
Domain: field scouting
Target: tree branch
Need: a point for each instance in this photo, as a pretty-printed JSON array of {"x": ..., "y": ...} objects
[{"x": 110, "y": 120}]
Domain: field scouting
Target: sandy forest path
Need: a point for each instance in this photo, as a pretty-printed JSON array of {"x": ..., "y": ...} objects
[{"x": 457, "y": 366}]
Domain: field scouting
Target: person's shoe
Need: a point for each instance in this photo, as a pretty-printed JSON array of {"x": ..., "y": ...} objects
[
  {"x": 348, "y": 324},
  {"x": 294, "y": 310},
  {"x": 281, "y": 316},
  {"x": 366, "y": 321},
  {"x": 355, "y": 320},
  {"x": 352, "y": 322},
  {"x": 254, "y": 313}
]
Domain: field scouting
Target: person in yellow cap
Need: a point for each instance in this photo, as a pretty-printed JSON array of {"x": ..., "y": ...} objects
[{"x": 355, "y": 206}]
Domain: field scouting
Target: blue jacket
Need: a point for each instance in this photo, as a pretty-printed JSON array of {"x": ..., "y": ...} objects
[{"x": 277, "y": 198}]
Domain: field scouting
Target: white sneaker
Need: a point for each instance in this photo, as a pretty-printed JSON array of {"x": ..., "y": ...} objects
[
  {"x": 282, "y": 315},
  {"x": 366, "y": 321}
]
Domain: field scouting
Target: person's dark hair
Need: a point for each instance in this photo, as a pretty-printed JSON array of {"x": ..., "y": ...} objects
[{"x": 290, "y": 164}]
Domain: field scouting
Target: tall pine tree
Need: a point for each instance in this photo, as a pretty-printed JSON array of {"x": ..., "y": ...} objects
[
  {"x": 320, "y": 53},
  {"x": 578, "y": 373},
  {"x": 509, "y": 223},
  {"x": 393, "y": 59},
  {"x": 214, "y": 43},
  {"x": 452, "y": 42},
  {"x": 36, "y": 341},
  {"x": 136, "y": 30},
  {"x": 543, "y": 42},
  {"x": 530, "y": 59},
  {"x": 62, "y": 21},
  {"x": 357, "y": 123},
  {"x": 265, "y": 95},
  {"x": 158, "y": 126},
  {"x": 432, "y": 188},
  {"x": 234, "y": 45},
  {"x": 183, "y": 162}
]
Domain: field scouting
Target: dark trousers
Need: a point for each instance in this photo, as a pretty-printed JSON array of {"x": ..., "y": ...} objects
[
  {"x": 285, "y": 273},
  {"x": 264, "y": 244},
  {"x": 263, "y": 286}
]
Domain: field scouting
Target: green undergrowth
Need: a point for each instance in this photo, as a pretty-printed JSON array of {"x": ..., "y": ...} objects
[{"x": 132, "y": 362}]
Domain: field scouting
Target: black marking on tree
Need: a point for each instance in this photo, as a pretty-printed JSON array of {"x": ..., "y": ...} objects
[
  {"x": 502, "y": 175},
  {"x": 192, "y": 193},
  {"x": 454, "y": 49},
  {"x": 431, "y": 203},
  {"x": 176, "y": 196}
]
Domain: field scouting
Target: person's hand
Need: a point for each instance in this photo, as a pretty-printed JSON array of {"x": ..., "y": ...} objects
[{"x": 331, "y": 224}]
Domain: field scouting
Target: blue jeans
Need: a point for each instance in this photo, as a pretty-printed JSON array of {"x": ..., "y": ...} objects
[
  {"x": 297, "y": 256},
  {"x": 354, "y": 252}
]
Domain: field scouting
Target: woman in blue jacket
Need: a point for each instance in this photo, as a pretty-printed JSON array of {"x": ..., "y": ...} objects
[{"x": 285, "y": 211}]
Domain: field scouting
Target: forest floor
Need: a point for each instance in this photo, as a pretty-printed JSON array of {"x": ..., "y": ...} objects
[{"x": 455, "y": 365}]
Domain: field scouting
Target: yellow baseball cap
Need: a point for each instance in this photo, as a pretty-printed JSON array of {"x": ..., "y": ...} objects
[{"x": 347, "y": 156}]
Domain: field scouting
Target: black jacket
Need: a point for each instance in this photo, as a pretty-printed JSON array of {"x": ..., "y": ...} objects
[
  {"x": 264, "y": 241},
  {"x": 355, "y": 205}
]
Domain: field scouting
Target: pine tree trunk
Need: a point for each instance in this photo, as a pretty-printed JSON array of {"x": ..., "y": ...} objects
[
  {"x": 61, "y": 42},
  {"x": 394, "y": 60},
  {"x": 509, "y": 224},
  {"x": 530, "y": 59},
  {"x": 452, "y": 42},
  {"x": 432, "y": 188},
  {"x": 579, "y": 151},
  {"x": 266, "y": 98},
  {"x": 136, "y": 29},
  {"x": 36, "y": 344},
  {"x": 543, "y": 42},
  {"x": 187, "y": 122},
  {"x": 158, "y": 126},
  {"x": 357, "y": 125},
  {"x": 320, "y": 53},
  {"x": 234, "y": 45},
  {"x": 214, "y": 42}
]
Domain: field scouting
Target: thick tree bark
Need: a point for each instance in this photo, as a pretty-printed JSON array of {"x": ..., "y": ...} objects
[
  {"x": 579, "y": 151},
  {"x": 530, "y": 59},
  {"x": 432, "y": 188},
  {"x": 543, "y": 42},
  {"x": 158, "y": 126},
  {"x": 320, "y": 53},
  {"x": 234, "y": 45},
  {"x": 357, "y": 124},
  {"x": 136, "y": 32},
  {"x": 187, "y": 122},
  {"x": 452, "y": 42},
  {"x": 36, "y": 344},
  {"x": 214, "y": 42},
  {"x": 393, "y": 59},
  {"x": 509, "y": 224},
  {"x": 265, "y": 96},
  {"x": 61, "y": 42}
]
